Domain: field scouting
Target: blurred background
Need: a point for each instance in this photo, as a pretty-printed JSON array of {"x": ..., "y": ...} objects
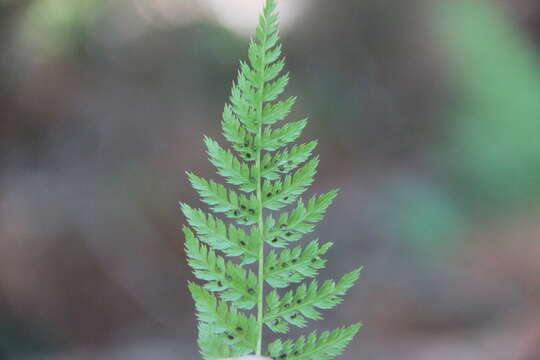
[{"x": 428, "y": 115}]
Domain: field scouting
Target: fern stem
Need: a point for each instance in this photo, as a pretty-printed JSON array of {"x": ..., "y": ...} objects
[
  {"x": 260, "y": 278},
  {"x": 260, "y": 300}
]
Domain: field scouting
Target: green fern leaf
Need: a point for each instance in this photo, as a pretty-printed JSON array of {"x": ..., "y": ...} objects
[
  {"x": 236, "y": 134},
  {"x": 232, "y": 241},
  {"x": 234, "y": 282},
  {"x": 293, "y": 266},
  {"x": 266, "y": 172},
  {"x": 226, "y": 201},
  {"x": 273, "y": 140},
  {"x": 281, "y": 193},
  {"x": 295, "y": 306},
  {"x": 235, "y": 171},
  {"x": 286, "y": 161},
  {"x": 302, "y": 220},
  {"x": 233, "y": 327},
  {"x": 214, "y": 347},
  {"x": 327, "y": 346}
]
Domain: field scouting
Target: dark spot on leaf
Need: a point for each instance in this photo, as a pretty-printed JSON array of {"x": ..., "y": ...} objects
[
  {"x": 298, "y": 301},
  {"x": 228, "y": 277},
  {"x": 243, "y": 207},
  {"x": 283, "y": 226},
  {"x": 281, "y": 168},
  {"x": 272, "y": 268},
  {"x": 238, "y": 328},
  {"x": 284, "y": 265},
  {"x": 282, "y": 356},
  {"x": 275, "y": 322},
  {"x": 294, "y": 261},
  {"x": 269, "y": 194},
  {"x": 251, "y": 291},
  {"x": 251, "y": 211},
  {"x": 248, "y": 155},
  {"x": 293, "y": 316},
  {"x": 243, "y": 243},
  {"x": 288, "y": 234},
  {"x": 236, "y": 213},
  {"x": 220, "y": 284},
  {"x": 246, "y": 219},
  {"x": 286, "y": 198},
  {"x": 275, "y": 240},
  {"x": 230, "y": 337}
]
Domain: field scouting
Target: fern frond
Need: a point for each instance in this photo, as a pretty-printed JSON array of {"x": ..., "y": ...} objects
[
  {"x": 295, "y": 306},
  {"x": 222, "y": 200},
  {"x": 235, "y": 133},
  {"x": 273, "y": 113},
  {"x": 293, "y": 266},
  {"x": 272, "y": 140},
  {"x": 231, "y": 326},
  {"x": 243, "y": 97},
  {"x": 266, "y": 172},
  {"x": 302, "y": 220},
  {"x": 215, "y": 347},
  {"x": 270, "y": 73},
  {"x": 231, "y": 240},
  {"x": 325, "y": 347},
  {"x": 286, "y": 161},
  {"x": 232, "y": 281},
  {"x": 275, "y": 88},
  {"x": 281, "y": 193},
  {"x": 235, "y": 171}
]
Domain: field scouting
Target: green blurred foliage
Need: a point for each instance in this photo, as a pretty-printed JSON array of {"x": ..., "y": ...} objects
[
  {"x": 423, "y": 215},
  {"x": 53, "y": 27},
  {"x": 489, "y": 155},
  {"x": 492, "y": 146}
]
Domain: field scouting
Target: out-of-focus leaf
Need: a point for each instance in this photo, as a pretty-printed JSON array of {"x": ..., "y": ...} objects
[{"x": 492, "y": 141}]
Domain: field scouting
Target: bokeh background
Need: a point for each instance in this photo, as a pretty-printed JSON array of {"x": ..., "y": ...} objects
[{"x": 428, "y": 115}]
